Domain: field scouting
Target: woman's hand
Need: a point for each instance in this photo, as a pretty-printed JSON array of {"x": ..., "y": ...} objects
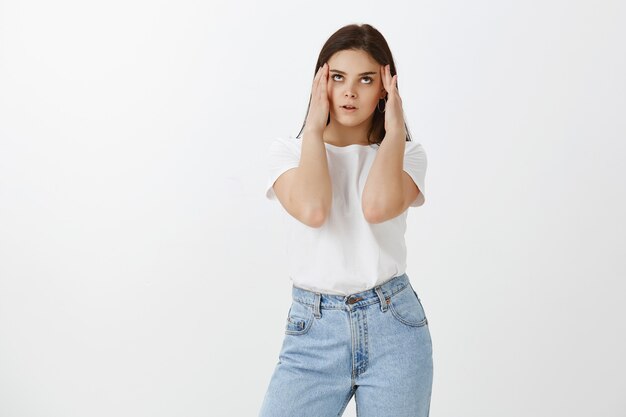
[
  {"x": 318, "y": 109},
  {"x": 394, "y": 116}
]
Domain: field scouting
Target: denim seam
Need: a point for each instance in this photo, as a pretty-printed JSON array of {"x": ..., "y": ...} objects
[
  {"x": 366, "y": 354},
  {"x": 346, "y": 401},
  {"x": 308, "y": 322},
  {"x": 352, "y": 347},
  {"x": 373, "y": 300},
  {"x": 402, "y": 320}
]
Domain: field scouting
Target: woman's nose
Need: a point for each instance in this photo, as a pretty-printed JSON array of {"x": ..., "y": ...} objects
[{"x": 349, "y": 94}]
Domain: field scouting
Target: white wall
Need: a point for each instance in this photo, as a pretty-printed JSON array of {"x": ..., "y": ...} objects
[{"x": 142, "y": 270}]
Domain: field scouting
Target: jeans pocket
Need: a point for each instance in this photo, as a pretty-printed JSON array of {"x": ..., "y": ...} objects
[
  {"x": 407, "y": 308},
  {"x": 299, "y": 318}
]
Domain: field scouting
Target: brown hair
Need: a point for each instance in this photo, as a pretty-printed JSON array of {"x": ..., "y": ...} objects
[{"x": 367, "y": 38}]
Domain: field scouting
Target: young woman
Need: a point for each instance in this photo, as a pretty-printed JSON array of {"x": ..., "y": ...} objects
[{"x": 355, "y": 325}]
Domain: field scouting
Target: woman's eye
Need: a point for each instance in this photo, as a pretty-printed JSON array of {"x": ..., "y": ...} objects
[{"x": 369, "y": 79}]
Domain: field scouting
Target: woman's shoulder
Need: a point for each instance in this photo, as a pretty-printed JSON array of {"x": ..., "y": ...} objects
[
  {"x": 413, "y": 147},
  {"x": 413, "y": 144}
]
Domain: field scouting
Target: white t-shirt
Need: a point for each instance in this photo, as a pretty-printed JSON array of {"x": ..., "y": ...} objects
[{"x": 346, "y": 254}]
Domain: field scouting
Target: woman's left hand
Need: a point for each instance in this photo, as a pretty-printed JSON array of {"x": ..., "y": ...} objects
[{"x": 394, "y": 116}]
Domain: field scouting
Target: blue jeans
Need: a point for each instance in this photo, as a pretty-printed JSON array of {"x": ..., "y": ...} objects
[{"x": 374, "y": 344}]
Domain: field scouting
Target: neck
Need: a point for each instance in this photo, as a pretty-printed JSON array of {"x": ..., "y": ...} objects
[{"x": 341, "y": 135}]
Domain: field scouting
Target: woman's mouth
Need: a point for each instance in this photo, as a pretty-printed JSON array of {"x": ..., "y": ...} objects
[{"x": 348, "y": 108}]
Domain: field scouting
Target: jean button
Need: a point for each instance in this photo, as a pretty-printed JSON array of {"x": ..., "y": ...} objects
[{"x": 353, "y": 300}]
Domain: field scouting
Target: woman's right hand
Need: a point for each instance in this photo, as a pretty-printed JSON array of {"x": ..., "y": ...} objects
[{"x": 318, "y": 110}]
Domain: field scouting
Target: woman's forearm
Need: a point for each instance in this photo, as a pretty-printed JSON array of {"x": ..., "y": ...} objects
[{"x": 313, "y": 186}]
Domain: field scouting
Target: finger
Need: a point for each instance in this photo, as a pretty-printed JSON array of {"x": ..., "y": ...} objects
[
  {"x": 321, "y": 82},
  {"x": 318, "y": 81},
  {"x": 316, "y": 78},
  {"x": 317, "y": 74},
  {"x": 324, "y": 76}
]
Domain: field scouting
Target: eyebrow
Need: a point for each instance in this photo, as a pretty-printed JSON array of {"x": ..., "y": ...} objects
[{"x": 363, "y": 73}]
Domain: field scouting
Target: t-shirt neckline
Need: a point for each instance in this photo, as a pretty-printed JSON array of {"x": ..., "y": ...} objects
[{"x": 350, "y": 147}]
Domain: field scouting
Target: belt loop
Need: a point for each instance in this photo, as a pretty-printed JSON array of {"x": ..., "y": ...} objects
[
  {"x": 316, "y": 305},
  {"x": 381, "y": 297}
]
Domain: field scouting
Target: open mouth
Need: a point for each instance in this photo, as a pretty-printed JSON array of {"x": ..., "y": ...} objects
[{"x": 349, "y": 107}]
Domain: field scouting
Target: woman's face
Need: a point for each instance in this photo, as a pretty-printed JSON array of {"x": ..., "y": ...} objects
[{"x": 353, "y": 79}]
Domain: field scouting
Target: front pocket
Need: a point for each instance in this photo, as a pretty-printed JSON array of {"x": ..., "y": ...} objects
[
  {"x": 299, "y": 318},
  {"x": 406, "y": 307}
]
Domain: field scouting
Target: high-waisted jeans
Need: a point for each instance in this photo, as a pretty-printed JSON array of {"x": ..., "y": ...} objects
[{"x": 374, "y": 344}]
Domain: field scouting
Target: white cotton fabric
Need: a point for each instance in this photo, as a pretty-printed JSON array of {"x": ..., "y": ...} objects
[{"x": 346, "y": 254}]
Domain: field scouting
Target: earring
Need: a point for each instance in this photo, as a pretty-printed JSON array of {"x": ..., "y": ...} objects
[{"x": 385, "y": 107}]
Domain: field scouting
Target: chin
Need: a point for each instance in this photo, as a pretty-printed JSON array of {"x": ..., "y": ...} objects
[{"x": 349, "y": 121}]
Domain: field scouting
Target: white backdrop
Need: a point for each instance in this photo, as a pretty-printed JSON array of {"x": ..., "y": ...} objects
[{"x": 142, "y": 271}]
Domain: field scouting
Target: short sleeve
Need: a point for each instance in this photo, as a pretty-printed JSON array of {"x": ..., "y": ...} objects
[
  {"x": 415, "y": 165},
  {"x": 282, "y": 155}
]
